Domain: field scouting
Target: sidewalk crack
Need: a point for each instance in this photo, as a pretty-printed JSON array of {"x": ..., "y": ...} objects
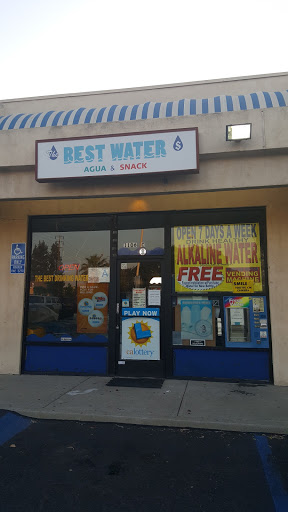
[
  {"x": 182, "y": 398},
  {"x": 60, "y": 396}
]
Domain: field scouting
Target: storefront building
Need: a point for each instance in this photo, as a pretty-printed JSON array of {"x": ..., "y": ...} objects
[{"x": 138, "y": 239}]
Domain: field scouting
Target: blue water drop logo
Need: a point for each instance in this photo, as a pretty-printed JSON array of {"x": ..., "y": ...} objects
[
  {"x": 178, "y": 144},
  {"x": 53, "y": 153}
]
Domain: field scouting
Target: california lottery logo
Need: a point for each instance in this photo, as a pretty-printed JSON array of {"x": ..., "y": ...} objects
[
  {"x": 100, "y": 300},
  {"x": 140, "y": 333},
  {"x": 85, "y": 306},
  {"x": 52, "y": 153},
  {"x": 96, "y": 318}
]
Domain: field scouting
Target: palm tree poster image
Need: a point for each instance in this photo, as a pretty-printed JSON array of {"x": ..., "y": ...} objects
[{"x": 92, "y": 307}]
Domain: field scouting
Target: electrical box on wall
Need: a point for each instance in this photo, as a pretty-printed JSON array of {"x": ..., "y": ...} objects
[{"x": 246, "y": 323}]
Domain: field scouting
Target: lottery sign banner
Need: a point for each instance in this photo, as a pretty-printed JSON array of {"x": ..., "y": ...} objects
[
  {"x": 140, "y": 338},
  {"x": 92, "y": 307}
]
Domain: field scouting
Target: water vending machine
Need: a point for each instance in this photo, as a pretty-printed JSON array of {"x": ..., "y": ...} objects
[{"x": 246, "y": 323}]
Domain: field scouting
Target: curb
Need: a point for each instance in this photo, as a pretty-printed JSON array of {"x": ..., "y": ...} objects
[{"x": 158, "y": 422}]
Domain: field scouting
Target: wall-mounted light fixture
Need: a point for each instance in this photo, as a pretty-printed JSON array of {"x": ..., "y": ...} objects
[{"x": 238, "y": 131}]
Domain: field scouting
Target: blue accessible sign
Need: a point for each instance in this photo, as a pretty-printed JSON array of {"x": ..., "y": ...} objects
[{"x": 18, "y": 254}]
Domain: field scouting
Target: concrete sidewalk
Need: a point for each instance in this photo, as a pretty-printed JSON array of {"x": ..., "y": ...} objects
[{"x": 179, "y": 403}]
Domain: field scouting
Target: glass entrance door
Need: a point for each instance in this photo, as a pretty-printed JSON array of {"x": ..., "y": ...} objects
[{"x": 140, "y": 347}]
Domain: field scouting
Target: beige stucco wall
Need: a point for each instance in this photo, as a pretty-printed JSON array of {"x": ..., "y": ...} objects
[
  {"x": 277, "y": 235},
  {"x": 12, "y": 230},
  {"x": 13, "y": 224},
  {"x": 168, "y": 92},
  {"x": 215, "y": 174},
  {"x": 223, "y": 165}
]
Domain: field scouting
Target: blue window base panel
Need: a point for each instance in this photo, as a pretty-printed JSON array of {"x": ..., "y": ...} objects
[
  {"x": 221, "y": 364},
  {"x": 90, "y": 360}
]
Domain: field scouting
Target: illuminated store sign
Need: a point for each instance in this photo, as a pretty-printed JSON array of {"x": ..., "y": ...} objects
[{"x": 144, "y": 153}]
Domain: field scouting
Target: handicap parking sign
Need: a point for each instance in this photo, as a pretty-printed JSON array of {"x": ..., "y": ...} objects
[{"x": 18, "y": 254}]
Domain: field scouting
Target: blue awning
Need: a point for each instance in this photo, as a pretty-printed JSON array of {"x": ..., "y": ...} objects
[{"x": 148, "y": 110}]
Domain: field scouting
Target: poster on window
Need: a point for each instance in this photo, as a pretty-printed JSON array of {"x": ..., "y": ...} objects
[
  {"x": 139, "y": 298},
  {"x": 140, "y": 339},
  {"x": 92, "y": 307},
  {"x": 196, "y": 320},
  {"x": 215, "y": 258}
]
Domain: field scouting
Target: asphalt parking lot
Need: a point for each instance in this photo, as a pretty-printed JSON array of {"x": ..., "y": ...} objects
[{"x": 71, "y": 466}]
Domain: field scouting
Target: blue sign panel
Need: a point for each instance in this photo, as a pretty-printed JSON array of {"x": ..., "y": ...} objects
[
  {"x": 18, "y": 252},
  {"x": 140, "y": 312}
]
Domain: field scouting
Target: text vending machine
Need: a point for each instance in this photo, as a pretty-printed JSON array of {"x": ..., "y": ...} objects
[{"x": 246, "y": 323}]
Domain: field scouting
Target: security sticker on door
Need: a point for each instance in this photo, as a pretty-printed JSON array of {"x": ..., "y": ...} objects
[
  {"x": 139, "y": 297},
  {"x": 154, "y": 297}
]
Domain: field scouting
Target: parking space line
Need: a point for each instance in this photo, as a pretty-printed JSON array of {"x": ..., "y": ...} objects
[
  {"x": 10, "y": 425},
  {"x": 273, "y": 477}
]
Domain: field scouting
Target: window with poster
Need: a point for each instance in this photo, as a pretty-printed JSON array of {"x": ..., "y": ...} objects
[
  {"x": 219, "y": 283},
  {"x": 69, "y": 280}
]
